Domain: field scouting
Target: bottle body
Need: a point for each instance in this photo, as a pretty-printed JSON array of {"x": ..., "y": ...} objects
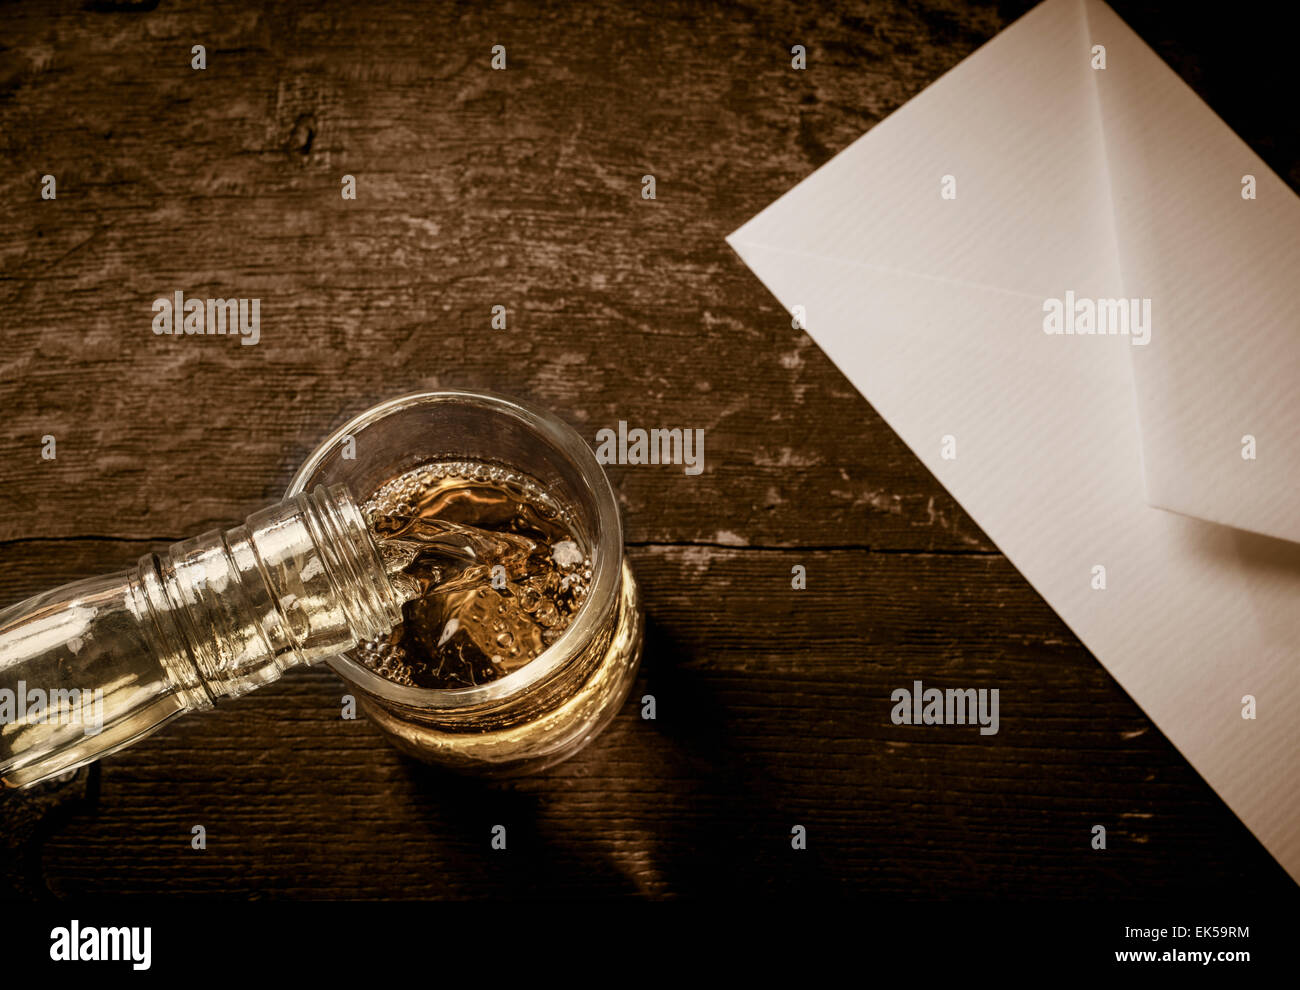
[
  {"x": 96, "y": 665},
  {"x": 79, "y": 677}
]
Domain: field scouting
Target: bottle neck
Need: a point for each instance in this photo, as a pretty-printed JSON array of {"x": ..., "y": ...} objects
[{"x": 298, "y": 582}]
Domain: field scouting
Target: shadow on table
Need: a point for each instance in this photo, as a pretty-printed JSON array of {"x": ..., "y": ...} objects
[{"x": 715, "y": 821}]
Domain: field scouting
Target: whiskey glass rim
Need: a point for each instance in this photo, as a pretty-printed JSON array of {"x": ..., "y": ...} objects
[{"x": 605, "y": 533}]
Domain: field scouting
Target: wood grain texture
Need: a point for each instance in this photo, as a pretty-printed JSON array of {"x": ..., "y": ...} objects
[{"x": 522, "y": 188}]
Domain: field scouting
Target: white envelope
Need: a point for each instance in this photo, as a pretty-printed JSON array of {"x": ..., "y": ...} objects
[{"x": 1114, "y": 183}]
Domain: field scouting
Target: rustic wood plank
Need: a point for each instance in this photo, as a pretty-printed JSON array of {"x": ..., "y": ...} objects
[{"x": 476, "y": 188}]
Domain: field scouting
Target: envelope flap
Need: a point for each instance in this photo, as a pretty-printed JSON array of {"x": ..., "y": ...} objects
[{"x": 1218, "y": 379}]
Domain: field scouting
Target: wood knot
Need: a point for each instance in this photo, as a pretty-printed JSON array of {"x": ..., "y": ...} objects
[{"x": 303, "y": 134}]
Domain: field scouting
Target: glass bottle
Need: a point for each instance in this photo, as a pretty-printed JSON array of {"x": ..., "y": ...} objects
[{"x": 99, "y": 664}]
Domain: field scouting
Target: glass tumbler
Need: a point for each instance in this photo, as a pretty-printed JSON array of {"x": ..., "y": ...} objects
[{"x": 548, "y": 709}]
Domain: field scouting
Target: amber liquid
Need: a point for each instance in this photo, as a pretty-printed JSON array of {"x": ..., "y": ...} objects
[{"x": 491, "y": 570}]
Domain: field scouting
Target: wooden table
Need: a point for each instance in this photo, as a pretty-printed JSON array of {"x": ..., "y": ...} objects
[{"x": 522, "y": 188}]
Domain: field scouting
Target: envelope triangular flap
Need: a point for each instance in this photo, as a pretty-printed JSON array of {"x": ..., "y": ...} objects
[{"x": 1223, "y": 275}]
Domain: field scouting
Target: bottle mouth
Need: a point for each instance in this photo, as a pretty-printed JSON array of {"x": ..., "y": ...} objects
[
  {"x": 349, "y": 551},
  {"x": 404, "y": 432}
]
